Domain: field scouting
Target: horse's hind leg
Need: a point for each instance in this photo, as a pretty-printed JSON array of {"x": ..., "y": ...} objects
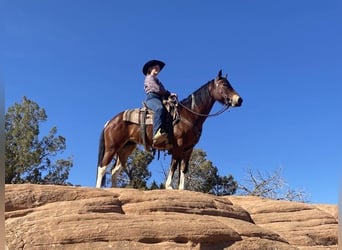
[
  {"x": 115, "y": 171},
  {"x": 101, "y": 169},
  {"x": 123, "y": 155}
]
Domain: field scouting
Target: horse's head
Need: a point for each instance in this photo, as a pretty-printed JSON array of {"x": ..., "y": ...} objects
[{"x": 222, "y": 91}]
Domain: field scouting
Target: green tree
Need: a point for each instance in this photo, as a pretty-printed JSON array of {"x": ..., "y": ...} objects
[
  {"x": 29, "y": 157},
  {"x": 154, "y": 186},
  {"x": 136, "y": 173},
  {"x": 225, "y": 185}
]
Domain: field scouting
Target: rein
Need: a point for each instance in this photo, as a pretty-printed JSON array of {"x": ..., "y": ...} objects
[{"x": 225, "y": 107}]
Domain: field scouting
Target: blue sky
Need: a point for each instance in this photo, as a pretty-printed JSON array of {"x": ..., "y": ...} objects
[{"x": 81, "y": 61}]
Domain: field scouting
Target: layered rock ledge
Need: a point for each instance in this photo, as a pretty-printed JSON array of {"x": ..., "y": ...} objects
[{"x": 62, "y": 217}]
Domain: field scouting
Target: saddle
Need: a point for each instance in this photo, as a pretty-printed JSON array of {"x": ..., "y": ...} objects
[{"x": 144, "y": 116}]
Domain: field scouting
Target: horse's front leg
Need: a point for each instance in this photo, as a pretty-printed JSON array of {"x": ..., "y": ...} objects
[
  {"x": 181, "y": 181},
  {"x": 173, "y": 167},
  {"x": 183, "y": 169},
  {"x": 181, "y": 185}
]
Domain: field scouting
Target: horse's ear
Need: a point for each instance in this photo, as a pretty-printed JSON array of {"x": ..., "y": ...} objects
[{"x": 219, "y": 75}]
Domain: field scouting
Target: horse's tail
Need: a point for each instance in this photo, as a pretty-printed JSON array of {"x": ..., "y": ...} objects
[{"x": 101, "y": 149}]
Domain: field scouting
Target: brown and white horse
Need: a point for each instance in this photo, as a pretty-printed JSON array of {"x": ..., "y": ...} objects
[{"x": 119, "y": 138}]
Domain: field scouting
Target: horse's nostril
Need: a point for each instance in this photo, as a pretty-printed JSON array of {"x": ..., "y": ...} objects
[{"x": 239, "y": 102}]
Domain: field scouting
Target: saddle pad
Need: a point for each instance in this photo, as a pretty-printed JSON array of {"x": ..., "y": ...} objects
[{"x": 136, "y": 116}]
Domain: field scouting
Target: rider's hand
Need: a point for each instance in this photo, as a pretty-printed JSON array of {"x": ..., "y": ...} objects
[{"x": 173, "y": 97}]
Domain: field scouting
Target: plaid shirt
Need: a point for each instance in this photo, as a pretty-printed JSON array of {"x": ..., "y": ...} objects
[{"x": 153, "y": 85}]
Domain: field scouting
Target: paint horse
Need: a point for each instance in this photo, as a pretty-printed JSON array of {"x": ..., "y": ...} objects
[{"x": 119, "y": 138}]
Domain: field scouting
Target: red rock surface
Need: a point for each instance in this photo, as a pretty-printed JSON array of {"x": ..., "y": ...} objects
[{"x": 59, "y": 217}]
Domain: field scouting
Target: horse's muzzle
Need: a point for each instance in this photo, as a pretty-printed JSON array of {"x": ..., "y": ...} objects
[{"x": 236, "y": 101}]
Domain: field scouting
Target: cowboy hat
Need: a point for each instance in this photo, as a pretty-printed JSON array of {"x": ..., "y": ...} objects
[{"x": 152, "y": 63}]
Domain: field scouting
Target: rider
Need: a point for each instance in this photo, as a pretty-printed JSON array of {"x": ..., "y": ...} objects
[{"x": 155, "y": 93}]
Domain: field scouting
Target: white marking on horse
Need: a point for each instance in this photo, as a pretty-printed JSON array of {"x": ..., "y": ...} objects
[
  {"x": 101, "y": 171},
  {"x": 106, "y": 124},
  {"x": 168, "y": 183},
  {"x": 193, "y": 101},
  {"x": 181, "y": 181}
]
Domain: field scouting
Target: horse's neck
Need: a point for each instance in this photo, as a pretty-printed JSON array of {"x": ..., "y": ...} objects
[
  {"x": 202, "y": 106},
  {"x": 200, "y": 102}
]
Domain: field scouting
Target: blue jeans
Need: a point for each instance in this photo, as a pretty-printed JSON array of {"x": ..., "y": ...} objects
[{"x": 155, "y": 102}]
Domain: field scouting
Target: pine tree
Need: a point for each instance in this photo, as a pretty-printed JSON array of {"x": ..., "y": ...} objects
[{"x": 29, "y": 156}]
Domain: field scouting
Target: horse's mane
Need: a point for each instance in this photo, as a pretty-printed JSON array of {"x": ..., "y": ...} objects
[{"x": 200, "y": 95}]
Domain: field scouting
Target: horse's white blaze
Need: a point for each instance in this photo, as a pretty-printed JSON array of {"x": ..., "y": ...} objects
[
  {"x": 100, "y": 173},
  {"x": 235, "y": 100}
]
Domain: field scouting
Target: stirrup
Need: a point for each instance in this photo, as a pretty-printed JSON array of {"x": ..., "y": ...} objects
[{"x": 159, "y": 137}]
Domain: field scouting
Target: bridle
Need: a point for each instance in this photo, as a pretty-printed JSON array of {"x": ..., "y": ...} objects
[{"x": 224, "y": 108}]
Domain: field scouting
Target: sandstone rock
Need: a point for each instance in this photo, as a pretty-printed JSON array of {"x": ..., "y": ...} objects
[
  {"x": 59, "y": 217},
  {"x": 303, "y": 225}
]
